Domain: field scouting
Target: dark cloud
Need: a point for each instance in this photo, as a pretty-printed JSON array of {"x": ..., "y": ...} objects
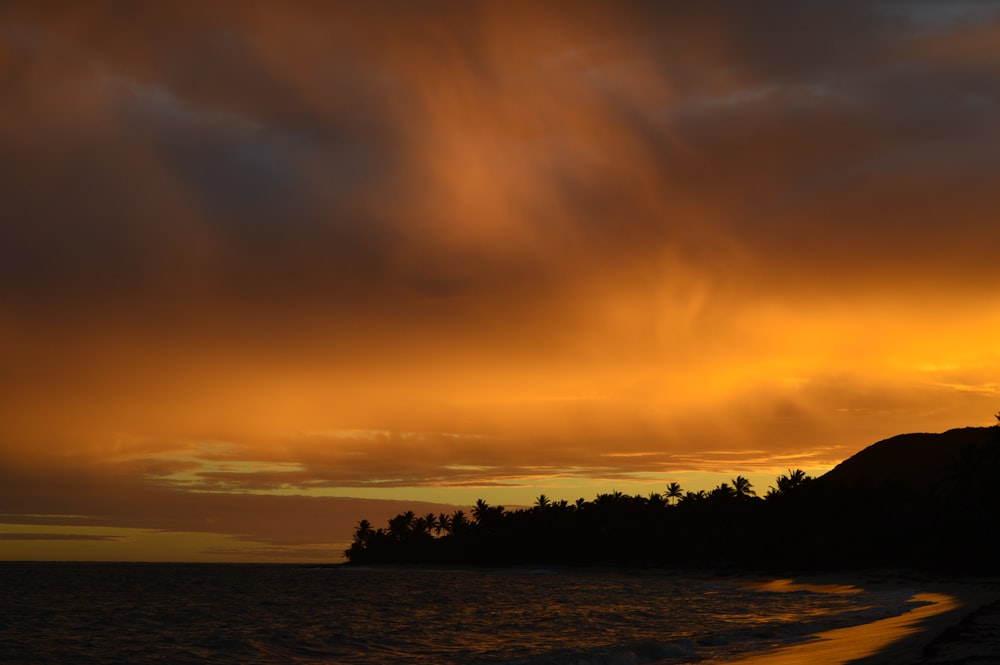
[
  {"x": 267, "y": 155},
  {"x": 526, "y": 240}
]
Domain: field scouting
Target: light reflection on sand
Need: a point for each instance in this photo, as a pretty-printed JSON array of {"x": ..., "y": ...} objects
[{"x": 883, "y": 638}]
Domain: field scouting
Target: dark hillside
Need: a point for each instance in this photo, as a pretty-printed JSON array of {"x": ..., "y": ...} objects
[
  {"x": 920, "y": 462},
  {"x": 913, "y": 499}
]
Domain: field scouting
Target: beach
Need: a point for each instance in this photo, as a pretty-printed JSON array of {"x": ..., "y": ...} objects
[
  {"x": 956, "y": 622},
  {"x": 976, "y": 639}
]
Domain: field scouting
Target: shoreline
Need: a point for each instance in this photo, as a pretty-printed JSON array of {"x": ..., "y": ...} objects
[{"x": 948, "y": 604}]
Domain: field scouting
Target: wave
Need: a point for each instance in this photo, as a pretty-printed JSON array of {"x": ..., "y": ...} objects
[{"x": 290, "y": 614}]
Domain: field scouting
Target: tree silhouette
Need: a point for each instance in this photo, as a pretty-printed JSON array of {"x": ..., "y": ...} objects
[
  {"x": 807, "y": 523},
  {"x": 459, "y": 522},
  {"x": 424, "y": 525},
  {"x": 693, "y": 497},
  {"x": 480, "y": 511},
  {"x": 722, "y": 491},
  {"x": 743, "y": 488},
  {"x": 401, "y": 525},
  {"x": 487, "y": 516},
  {"x": 443, "y": 524},
  {"x": 788, "y": 483}
]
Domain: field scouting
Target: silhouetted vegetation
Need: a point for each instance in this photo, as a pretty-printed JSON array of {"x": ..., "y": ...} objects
[{"x": 861, "y": 514}]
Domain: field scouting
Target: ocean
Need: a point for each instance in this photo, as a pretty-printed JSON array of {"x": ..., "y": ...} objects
[{"x": 84, "y": 613}]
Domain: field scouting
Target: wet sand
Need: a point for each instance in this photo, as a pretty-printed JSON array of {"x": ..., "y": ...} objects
[
  {"x": 903, "y": 639},
  {"x": 976, "y": 640}
]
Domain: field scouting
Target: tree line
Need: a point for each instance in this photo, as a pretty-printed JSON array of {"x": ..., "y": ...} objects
[
  {"x": 800, "y": 522},
  {"x": 612, "y": 528}
]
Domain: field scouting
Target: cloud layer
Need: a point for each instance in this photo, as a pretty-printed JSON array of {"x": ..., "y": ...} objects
[{"x": 346, "y": 250}]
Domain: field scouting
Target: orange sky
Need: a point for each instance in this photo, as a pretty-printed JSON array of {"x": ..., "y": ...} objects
[{"x": 266, "y": 270}]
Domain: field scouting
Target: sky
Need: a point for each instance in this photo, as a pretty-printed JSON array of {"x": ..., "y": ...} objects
[{"x": 270, "y": 268}]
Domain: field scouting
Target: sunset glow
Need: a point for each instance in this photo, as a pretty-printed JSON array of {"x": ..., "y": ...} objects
[{"x": 269, "y": 268}]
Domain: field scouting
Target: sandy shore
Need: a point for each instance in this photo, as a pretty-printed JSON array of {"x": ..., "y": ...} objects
[
  {"x": 975, "y": 640},
  {"x": 930, "y": 633}
]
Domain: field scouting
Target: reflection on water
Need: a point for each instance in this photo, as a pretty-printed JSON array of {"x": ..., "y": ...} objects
[{"x": 95, "y": 613}]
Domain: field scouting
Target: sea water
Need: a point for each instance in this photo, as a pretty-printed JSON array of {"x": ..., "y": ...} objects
[{"x": 205, "y": 613}]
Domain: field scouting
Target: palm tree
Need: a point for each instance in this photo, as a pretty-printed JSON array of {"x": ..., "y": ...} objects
[
  {"x": 362, "y": 537},
  {"x": 743, "y": 488},
  {"x": 693, "y": 497},
  {"x": 542, "y": 502},
  {"x": 443, "y": 524},
  {"x": 674, "y": 491},
  {"x": 480, "y": 511},
  {"x": 430, "y": 520},
  {"x": 723, "y": 490},
  {"x": 787, "y": 483},
  {"x": 363, "y": 532},
  {"x": 485, "y": 514},
  {"x": 797, "y": 477},
  {"x": 458, "y": 522},
  {"x": 402, "y": 524}
]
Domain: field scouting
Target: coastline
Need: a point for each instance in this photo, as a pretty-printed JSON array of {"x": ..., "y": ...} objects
[{"x": 948, "y": 605}]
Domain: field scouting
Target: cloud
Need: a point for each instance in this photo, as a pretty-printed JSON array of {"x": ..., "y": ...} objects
[
  {"x": 524, "y": 243},
  {"x": 111, "y": 498},
  {"x": 57, "y": 536},
  {"x": 490, "y": 170}
]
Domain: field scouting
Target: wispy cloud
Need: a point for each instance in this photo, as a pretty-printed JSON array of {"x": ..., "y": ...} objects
[{"x": 58, "y": 536}]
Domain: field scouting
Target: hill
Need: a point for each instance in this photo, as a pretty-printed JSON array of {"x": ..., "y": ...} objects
[
  {"x": 925, "y": 500},
  {"x": 920, "y": 461}
]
